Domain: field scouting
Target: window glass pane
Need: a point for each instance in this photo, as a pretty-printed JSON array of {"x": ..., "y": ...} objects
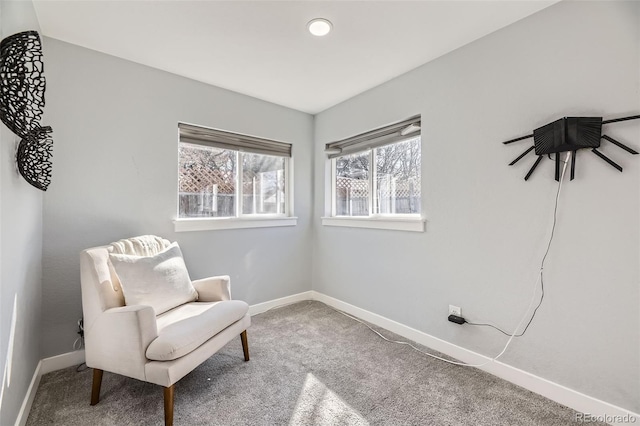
[
  {"x": 352, "y": 185},
  {"x": 263, "y": 184},
  {"x": 206, "y": 181},
  {"x": 398, "y": 178}
]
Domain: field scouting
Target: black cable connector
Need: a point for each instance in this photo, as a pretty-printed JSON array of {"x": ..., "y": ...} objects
[
  {"x": 456, "y": 319},
  {"x": 81, "y": 328}
]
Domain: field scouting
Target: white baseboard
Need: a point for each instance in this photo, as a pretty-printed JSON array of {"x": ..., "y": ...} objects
[
  {"x": 46, "y": 365},
  {"x": 23, "y": 414},
  {"x": 61, "y": 361},
  {"x": 573, "y": 399},
  {"x": 265, "y": 306}
]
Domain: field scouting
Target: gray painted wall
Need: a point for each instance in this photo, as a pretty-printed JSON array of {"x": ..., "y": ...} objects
[
  {"x": 486, "y": 228},
  {"x": 116, "y": 176},
  {"x": 20, "y": 253}
]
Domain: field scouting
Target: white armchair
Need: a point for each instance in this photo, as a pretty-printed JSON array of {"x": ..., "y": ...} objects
[{"x": 139, "y": 341}]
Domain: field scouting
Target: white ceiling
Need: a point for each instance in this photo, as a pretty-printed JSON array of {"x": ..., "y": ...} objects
[{"x": 262, "y": 48}]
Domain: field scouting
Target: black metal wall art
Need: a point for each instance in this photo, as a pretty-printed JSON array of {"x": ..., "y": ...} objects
[
  {"x": 22, "y": 87},
  {"x": 33, "y": 157},
  {"x": 22, "y": 82},
  {"x": 569, "y": 134}
]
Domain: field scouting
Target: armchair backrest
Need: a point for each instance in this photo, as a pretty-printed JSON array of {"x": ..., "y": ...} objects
[{"x": 100, "y": 285}]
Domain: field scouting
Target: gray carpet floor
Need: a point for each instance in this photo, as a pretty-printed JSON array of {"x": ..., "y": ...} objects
[{"x": 310, "y": 365}]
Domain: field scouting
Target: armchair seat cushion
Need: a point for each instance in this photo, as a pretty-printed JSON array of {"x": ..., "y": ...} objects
[{"x": 183, "y": 329}]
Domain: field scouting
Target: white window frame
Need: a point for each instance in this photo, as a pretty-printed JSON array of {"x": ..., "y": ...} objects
[
  {"x": 240, "y": 199},
  {"x": 240, "y": 220},
  {"x": 391, "y": 221}
]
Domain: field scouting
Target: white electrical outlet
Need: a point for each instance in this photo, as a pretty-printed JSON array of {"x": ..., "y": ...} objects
[{"x": 455, "y": 310}]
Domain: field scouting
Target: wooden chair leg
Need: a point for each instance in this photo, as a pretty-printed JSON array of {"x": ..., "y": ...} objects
[
  {"x": 95, "y": 389},
  {"x": 245, "y": 345},
  {"x": 168, "y": 406}
]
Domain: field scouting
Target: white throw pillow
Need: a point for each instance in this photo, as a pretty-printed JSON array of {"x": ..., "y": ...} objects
[{"x": 159, "y": 281}]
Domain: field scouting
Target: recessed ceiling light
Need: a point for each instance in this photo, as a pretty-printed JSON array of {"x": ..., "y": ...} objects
[{"x": 319, "y": 27}]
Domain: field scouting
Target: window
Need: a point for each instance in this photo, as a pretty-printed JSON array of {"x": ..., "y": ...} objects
[
  {"x": 376, "y": 176},
  {"x": 229, "y": 175},
  {"x": 351, "y": 188},
  {"x": 398, "y": 177},
  {"x": 263, "y": 184}
]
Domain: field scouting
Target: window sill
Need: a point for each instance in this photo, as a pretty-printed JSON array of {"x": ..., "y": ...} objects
[
  {"x": 397, "y": 224},
  {"x": 210, "y": 224}
]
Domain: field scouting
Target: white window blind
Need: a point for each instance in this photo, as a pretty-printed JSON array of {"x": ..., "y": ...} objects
[
  {"x": 375, "y": 138},
  {"x": 199, "y": 135}
]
